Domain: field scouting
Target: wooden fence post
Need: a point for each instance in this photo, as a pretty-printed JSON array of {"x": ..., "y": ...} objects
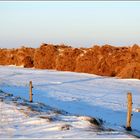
[
  {"x": 30, "y": 93},
  {"x": 129, "y": 111}
]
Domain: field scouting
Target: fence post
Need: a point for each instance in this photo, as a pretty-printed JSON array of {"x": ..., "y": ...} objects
[
  {"x": 30, "y": 93},
  {"x": 129, "y": 111}
]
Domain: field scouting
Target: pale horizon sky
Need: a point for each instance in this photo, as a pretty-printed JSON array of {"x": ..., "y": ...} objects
[{"x": 78, "y": 24}]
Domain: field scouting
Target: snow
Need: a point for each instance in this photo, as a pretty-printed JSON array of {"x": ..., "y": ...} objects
[
  {"x": 18, "y": 120},
  {"x": 19, "y": 126},
  {"x": 85, "y": 51},
  {"x": 77, "y": 93},
  {"x": 81, "y": 55}
]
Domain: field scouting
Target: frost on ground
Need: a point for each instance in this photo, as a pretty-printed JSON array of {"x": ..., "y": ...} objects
[{"x": 76, "y": 93}]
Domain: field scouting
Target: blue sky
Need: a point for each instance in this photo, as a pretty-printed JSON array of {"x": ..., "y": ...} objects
[{"x": 79, "y": 24}]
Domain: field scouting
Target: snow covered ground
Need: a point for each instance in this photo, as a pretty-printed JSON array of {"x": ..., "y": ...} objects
[
  {"x": 78, "y": 94},
  {"x": 21, "y": 119}
]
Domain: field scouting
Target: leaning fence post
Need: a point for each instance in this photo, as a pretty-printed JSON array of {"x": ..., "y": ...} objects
[
  {"x": 129, "y": 111},
  {"x": 30, "y": 92}
]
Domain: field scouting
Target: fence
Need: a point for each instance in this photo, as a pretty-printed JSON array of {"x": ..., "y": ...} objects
[{"x": 129, "y": 106}]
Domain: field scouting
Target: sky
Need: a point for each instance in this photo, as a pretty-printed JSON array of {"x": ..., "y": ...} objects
[{"x": 74, "y": 23}]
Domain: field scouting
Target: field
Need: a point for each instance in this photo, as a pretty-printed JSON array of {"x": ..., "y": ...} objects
[{"x": 65, "y": 104}]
